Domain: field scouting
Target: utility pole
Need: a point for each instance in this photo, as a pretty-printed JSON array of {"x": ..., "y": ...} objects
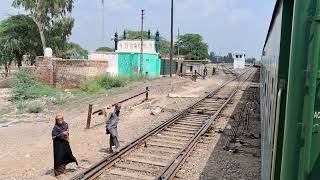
[
  {"x": 171, "y": 44},
  {"x": 178, "y": 43},
  {"x": 102, "y": 2},
  {"x": 141, "y": 58}
]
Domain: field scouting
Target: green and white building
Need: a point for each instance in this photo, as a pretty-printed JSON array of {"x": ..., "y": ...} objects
[{"x": 129, "y": 58}]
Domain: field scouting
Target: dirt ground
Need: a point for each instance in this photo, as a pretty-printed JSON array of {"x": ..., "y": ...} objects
[{"x": 26, "y": 145}]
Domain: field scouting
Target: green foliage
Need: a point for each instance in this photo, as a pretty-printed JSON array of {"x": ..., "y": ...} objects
[
  {"x": 132, "y": 35},
  {"x": 35, "y": 108},
  {"x": 221, "y": 59},
  {"x": 73, "y": 51},
  {"x": 108, "y": 82},
  {"x": 137, "y": 78},
  {"x": 103, "y": 83},
  {"x": 105, "y": 49},
  {"x": 251, "y": 60},
  {"x": 193, "y": 47},
  {"x": 18, "y": 36},
  {"x": 57, "y": 36},
  {"x": 164, "y": 46},
  {"x": 48, "y": 14},
  {"x": 25, "y": 86},
  {"x": 21, "y": 106},
  {"x": 59, "y": 102},
  {"x": 91, "y": 86}
]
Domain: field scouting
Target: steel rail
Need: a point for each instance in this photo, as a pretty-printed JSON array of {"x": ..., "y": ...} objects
[
  {"x": 98, "y": 168},
  {"x": 170, "y": 170},
  {"x": 127, "y": 99}
]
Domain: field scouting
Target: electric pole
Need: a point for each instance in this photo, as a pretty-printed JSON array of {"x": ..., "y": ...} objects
[
  {"x": 141, "y": 58},
  {"x": 171, "y": 44},
  {"x": 178, "y": 43},
  {"x": 102, "y": 2}
]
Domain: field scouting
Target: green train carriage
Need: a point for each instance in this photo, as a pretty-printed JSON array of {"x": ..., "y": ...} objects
[{"x": 290, "y": 92}]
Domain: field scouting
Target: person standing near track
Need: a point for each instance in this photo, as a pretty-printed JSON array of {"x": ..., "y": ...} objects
[
  {"x": 205, "y": 71},
  {"x": 112, "y": 128},
  {"x": 61, "y": 148}
]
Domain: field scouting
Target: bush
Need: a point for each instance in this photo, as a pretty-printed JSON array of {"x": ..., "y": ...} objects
[
  {"x": 36, "y": 108},
  {"x": 108, "y": 82},
  {"x": 21, "y": 106},
  {"x": 137, "y": 77},
  {"x": 103, "y": 83},
  {"x": 25, "y": 86},
  {"x": 91, "y": 86}
]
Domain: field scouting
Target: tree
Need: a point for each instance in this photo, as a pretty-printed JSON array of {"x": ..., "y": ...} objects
[
  {"x": 193, "y": 47},
  {"x": 57, "y": 35},
  {"x": 251, "y": 60},
  {"x": 212, "y": 57},
  {"x": 45, "y": 13},
  {"x": 132, "y": 35},
  {"x": 18, "y": 37},
  {"x": 105, "y": 49},
  {"x": 73, "y": 51}
]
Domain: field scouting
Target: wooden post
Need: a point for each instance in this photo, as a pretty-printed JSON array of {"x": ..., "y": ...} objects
[
  {"x": 147, "y": 93},
  {"x": 89, "y": 116}
]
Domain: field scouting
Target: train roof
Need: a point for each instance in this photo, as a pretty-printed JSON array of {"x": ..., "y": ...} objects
[{"x": 275, "y": 11}]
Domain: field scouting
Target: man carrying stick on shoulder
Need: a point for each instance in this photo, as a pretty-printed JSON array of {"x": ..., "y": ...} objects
[{"x": 112, "y": 119}]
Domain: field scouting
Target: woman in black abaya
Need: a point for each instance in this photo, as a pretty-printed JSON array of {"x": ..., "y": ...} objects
[{"x": 61, "y": 147}]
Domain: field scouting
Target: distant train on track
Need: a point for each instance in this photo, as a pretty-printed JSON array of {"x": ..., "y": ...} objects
[{"x": 290, "y": 92}]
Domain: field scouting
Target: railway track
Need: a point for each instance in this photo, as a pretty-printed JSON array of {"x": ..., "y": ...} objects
[{"x": 159, "y": 153}]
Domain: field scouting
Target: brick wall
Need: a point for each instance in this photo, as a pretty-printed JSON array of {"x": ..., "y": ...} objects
[{"x": 68, "y": 74}]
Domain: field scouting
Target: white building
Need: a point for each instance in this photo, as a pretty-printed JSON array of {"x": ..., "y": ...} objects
[
  {"x": 111, "y": 57},
  {"x": 239, "y": 59}
]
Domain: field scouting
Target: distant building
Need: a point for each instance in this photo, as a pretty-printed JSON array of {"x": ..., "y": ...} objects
[
  {"x": 189, "y": 67},
  {"x": 126, "y": 60},
  {"x": 239, "y": 60},
  {"x": 129, "y": 57}
]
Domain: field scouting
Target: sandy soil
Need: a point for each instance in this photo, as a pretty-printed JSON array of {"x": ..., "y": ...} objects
[{"x": 26, "y": 145}]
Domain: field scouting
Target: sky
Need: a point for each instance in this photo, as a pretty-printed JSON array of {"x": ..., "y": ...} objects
[{"x": 226, "y": 25}]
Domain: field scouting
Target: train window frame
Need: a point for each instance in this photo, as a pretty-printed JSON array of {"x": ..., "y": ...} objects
[{"x": 272, "y": 85}]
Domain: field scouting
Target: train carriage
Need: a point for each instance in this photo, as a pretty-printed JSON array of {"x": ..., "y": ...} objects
[{"x": 289, "y": 92}]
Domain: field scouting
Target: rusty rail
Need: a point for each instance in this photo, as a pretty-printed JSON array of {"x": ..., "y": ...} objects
[
  {"x": 170, "y": 170},
  {"x": 95, "y": 170}
]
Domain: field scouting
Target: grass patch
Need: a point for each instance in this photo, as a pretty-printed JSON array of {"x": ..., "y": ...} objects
[
  {"x": 103, "y": 83},
  {"x": 25, "y": 86},
  {"x": 21, "y": 106},
  {"x": 59, "y": 102},
  {"x": 35, "y": 108},
  {"x": 137, "y": 78}
]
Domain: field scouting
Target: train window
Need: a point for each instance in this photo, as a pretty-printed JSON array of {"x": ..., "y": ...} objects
[
  {"x": 265, "y": 89},
  {"x": 272, "y": 85}
]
